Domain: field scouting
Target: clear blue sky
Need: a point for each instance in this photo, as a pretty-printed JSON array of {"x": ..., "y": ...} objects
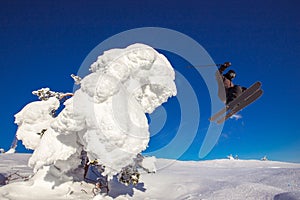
[{"x": 43, "y": 42}]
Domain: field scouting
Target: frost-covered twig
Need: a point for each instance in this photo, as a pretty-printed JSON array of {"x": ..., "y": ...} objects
[
  {"x": 45, "y": 93},
  {"x": 10, "y": 177},
  {"x": 61, "y": 96},
  {"x": 76, "y": 79},
  {"x": 129, "y": 175}
]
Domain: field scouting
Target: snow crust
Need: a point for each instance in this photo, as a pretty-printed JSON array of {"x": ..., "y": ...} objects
[
  {"x": 210, "y": 180},
  {"x": 106, "y": 115}
]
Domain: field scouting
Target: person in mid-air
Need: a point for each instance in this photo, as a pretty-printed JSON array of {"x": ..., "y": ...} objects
[{"x": 225, "y": 82}]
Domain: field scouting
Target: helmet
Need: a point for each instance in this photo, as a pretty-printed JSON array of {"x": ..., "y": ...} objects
[{"x": 230, "y": 74}]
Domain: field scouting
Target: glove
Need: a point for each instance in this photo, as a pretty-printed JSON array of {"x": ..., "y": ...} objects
[
  {"x": 227, "y": 64},
  {"x": 224, "y": 66}
]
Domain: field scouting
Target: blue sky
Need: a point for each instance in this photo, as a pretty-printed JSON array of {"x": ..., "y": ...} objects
[{"x": 43, "y": 42}]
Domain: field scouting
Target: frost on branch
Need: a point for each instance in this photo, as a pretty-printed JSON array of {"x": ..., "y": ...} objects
[
  {"x": 76, "y": 79},
  {"x": 130, "y": 174},
  {"x": 45, "y": 93}
]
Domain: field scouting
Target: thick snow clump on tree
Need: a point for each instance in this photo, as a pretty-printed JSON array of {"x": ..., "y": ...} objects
[{"x": 106, "y": 115}]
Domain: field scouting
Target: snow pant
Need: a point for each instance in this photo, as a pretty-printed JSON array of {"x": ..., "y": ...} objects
[{"x": 233, "y": 92}]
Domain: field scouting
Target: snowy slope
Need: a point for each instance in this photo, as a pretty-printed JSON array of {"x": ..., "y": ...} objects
[{"x": 216, "y": 179}]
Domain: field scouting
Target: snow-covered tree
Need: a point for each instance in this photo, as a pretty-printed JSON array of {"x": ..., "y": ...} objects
[
  {"x": 230, "y": 157},
  {"x": 264, "y": 158},
  {"x": 105, "y": 117}
]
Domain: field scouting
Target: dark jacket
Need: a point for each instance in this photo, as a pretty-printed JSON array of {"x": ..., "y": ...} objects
[{"x": 224, "y": 84}]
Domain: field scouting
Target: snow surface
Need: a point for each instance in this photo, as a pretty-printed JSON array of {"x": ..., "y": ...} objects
[{"x": 216, "y": 179}]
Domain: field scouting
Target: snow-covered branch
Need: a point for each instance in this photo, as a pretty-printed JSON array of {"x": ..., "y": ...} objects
[
  {"x": 76, "y": 79},
  {"x": 45, "y": 93}
]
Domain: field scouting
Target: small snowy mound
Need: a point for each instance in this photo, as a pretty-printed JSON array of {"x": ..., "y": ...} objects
[{"x": 105, "y": 117}]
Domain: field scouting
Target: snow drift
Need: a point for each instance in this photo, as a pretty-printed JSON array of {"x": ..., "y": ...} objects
[{"x": 105, "y": 117}]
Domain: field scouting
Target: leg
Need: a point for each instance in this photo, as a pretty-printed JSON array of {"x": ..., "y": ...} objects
[{"x": 234, "y": 92}]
